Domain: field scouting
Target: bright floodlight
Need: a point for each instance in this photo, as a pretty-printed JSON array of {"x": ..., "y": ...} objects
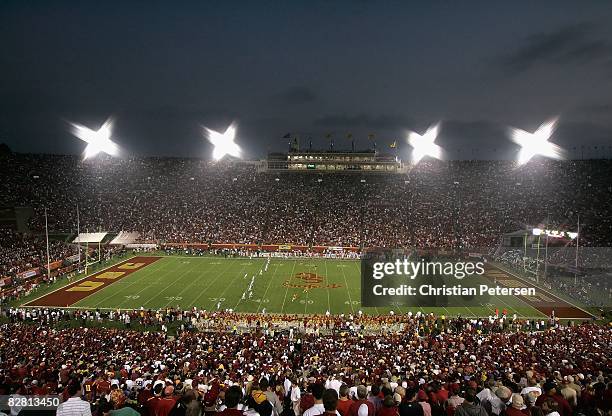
[
  {"x": 224, "y": 142},
  {"x": 537, "y": 143},
  {"x": 97, "y": 141},
  {"x": 423, "y": 145}
]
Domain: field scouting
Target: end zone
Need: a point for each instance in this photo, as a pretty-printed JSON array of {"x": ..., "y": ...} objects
[
  {"x": 545, "y": 301},
  {"x": 79, "y": 290}
]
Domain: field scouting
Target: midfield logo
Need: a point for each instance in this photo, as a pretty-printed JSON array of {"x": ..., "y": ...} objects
[{"x": 309, "y": 281}]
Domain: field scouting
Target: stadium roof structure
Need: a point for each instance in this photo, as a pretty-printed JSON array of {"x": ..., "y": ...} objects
[
  {"x": 90, "y": 238},
  {"x": 125, "y": 237}
]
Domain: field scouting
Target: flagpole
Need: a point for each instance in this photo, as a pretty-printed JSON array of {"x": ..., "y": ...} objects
[
  {"x": 546, "y": 249},
  {"x": 538, "y": 261},
  {"x": 86, "y": 250},
  {"x": 47, "y": 237},
  {"x": 577, "y": 241},
  {"x": 525, "y": 254}
]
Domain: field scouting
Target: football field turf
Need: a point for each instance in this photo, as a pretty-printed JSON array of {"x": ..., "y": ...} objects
[{"x": 290, "y": 285}]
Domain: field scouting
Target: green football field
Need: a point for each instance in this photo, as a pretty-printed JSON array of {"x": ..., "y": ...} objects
[{"x": 290, "y": 285}]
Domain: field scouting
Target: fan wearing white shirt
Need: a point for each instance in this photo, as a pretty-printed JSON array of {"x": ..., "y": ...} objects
[
  {"x": 318, "y": 408},
  {"x": 333, "y": 383},
  {"x": 295, "y": 397},
  {"x": 74, "y": 406}
]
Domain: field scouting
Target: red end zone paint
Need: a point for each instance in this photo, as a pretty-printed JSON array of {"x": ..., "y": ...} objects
[
  {"x": 544, "y": 301},
  {"x": 79, "y": 290}
]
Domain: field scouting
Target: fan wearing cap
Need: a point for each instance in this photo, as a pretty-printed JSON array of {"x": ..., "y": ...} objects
[
  {"x": 500, "y": 400},
  {"x": 517, "y": 406},
  {"x": 550, "y": 391}
]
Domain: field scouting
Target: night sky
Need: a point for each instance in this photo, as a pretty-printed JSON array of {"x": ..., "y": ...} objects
[{"x": 163, "y": 70}]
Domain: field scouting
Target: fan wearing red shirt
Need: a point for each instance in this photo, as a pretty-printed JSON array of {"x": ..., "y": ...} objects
[
  {"x": 164, "y": 406},
  {"x": 344, "y": 403},
  {"x": 102, "y": 386},
  {"x": 362, "y": 399},
  {"x": 388, "y": 407}
]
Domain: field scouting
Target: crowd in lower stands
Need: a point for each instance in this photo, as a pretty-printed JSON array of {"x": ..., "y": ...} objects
[{"x": 452, "y": 367}]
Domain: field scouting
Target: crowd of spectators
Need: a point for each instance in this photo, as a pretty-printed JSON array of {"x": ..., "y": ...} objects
[
  {"x": 452, "y": 368},
  {"x": 20, "y": 252},
  {"x": 436, "y": 204},
  {"x": 589, "y": 283},
  {"x": 230, "y": 321}
]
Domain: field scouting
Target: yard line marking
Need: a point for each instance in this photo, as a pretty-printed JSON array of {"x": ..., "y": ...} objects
[
  {"x": 209, "y": 285},
  {"x": 268, "y": 287},
  {"x": 347, "y": 289},
  {"x": 131, "y": 283},
  {"x": 328, "y": 294},
  {"x": 183, "y": 290},
  {"x": 172, "y": 284},
  {"x": 287, "y": 290},
  {"x": 233, "y": 280},
  {"x": 327, "y": 278},
  {"x": 76, "y": 281}
]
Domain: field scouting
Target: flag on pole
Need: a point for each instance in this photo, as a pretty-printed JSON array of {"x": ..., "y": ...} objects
[{"x": 393, "y": 145}]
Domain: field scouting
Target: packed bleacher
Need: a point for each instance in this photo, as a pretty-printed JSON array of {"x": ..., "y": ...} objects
[
  {"x": 289, "y": 365},
  {"x": 20, "y": 252},
  {"x": 431, "y": 366},
  {"x": 436, "y": 204}
]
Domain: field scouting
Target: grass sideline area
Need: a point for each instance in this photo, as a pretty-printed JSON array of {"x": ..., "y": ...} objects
[{"x": 289, "y": 286}]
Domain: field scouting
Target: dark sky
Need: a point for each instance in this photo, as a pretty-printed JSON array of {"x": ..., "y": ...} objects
[{"x": 165, "y": 69}]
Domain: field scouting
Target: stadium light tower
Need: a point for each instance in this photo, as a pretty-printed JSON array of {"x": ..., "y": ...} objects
[
  {"x": 537, "y": 143},
  {"x": 424, "y": 145},
  {"x": 97, "y": 141},
  {"x": 223, "y": 142}
]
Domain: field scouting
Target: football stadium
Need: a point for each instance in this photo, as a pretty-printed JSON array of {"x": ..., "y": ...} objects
[{"x": 432, "y": 238}]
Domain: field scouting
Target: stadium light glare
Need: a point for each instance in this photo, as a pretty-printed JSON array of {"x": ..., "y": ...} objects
[
  {"x": 223, "y": 142},
  {"x": 537, "y": 143},
  {"x": 424, "y": 145},
  {"x": 97, "y": 140}
]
